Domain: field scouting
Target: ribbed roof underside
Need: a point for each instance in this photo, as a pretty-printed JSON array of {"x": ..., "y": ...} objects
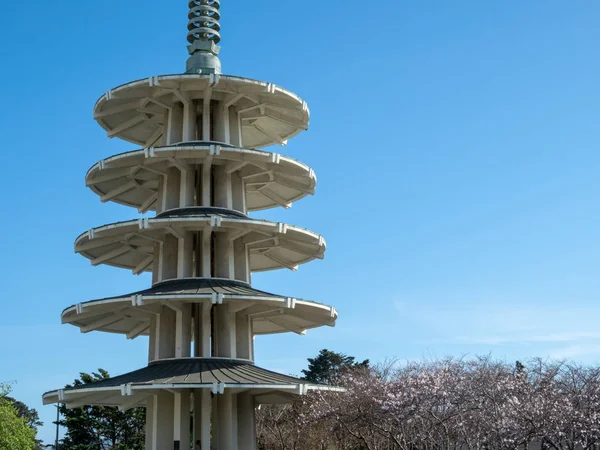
[
  {"x": 133, "y": 178},
  {"x": 270, "y": 313}
]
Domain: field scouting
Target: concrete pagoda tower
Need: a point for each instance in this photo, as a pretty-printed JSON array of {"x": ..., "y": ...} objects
[{"x": 199, "y": 170}]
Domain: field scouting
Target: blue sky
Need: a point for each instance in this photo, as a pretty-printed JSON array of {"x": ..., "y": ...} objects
[{"x": 456, "y": 146}]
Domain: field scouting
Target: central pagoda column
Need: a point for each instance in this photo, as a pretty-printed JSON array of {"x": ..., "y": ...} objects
[{"x": 217, "y": 330}]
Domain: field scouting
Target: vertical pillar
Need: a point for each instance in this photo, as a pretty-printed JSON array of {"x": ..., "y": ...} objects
[
  {"x": 222, "y": 188},
  {"x": 234, "y": 422},
  {"x": 181, "y": 430},
  {"x": 246, "y": 411},
  {"x": 206, "y": 184},
  {"x": 225, "y": 415},
  {"x": 189, "y": 121},
  {"x": 185, "y": 267},
  {"x": 225, "y": 330},
  {"x": 221, "y": 123},
  {"x": 238, "y": 193},
  {"x": 241, "y": 261},
  {"x": 152, "y": 340},
  {"x": 205, "y": 401},
  {"x": 206, "y": 116},
  {"x": 169, "y": 258},
  {"x": 161, "y": 194},
  {"x": 156, "y": 264},
  {"x": 206, "y": 253},
  {"x": 197, "y": 310},
  {"x": 172, "y": 188},
  {"x": 183, "y": 331},
  {"x": 165, "y": 407},
  {"x": 187, "y": 186},
  {"x": 202, "y": 330},
  {"x": 243, "y": 335},
  {"x": 216, "y": 424},
  {"x": 235, "y": 128},
  {"x": 166, "y": 334},
  {"x": 224, "y": 256},
  {"x": 151, "y": 419},
  {"x": 175, "y": 124}
]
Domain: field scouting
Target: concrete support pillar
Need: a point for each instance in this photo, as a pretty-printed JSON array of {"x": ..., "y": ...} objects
[
  {"x": 243, "y": 336},
  {"x": 224, "y": 256},
  {"x": 221, "y": 123},
  {"x": 202, "y": 327},
  {"x": 156, "y": 264},
  {"x": 169, "y": 257},
  {"x": 222, "y": 188},
  {"x": 175, "y": 124},
  {"x": 182, "y": 417},
  {"x": 246, "y": 427},
  {"x": 152, "y": 340},
  {"x": 151, "y": 416},
  {"x": 161, "y": 194},
  {"x": 165, "y": 421},
  {"x": 238, "y": 193},
  {"x": 225, "y": 332},
  {"x": 202, "y": 417},
  {"x": 207, "y": 269},
  {"x": 183, "y": 331},
  {"x": 171, "y": 189},
  {"x": 234, "y": 419},
  {"x": 206, "y": 330},
  {"x": 166, "y": 325},
  {"x": 206, "y": 184},
  {"x": 187, "y": 187},
  {"x": 225, "y": 430},
  {"x": 241, "y": 261},
  {"x": 215, "y": 444},
  {"x": 189, "y": 121},
  {"x": 206, "y": 116},
  {"x": 235, "y": 128},
  {"x": 202, "y": 254},
  {"x": 185, "y": 268}
]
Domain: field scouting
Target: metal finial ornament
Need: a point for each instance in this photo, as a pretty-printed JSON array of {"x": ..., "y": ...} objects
[{"x": 204, "y": 35}]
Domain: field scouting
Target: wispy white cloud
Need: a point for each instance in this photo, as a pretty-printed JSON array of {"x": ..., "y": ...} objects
[
  {"x": 568, "y": 336},
  {"x": 576, "y": 351},
  {"x": 485, "y": 325}
]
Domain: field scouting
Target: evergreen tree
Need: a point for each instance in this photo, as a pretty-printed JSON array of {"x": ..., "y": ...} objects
[
  {"x": 328, "y": 365},
  {"x": 101, "y": 427},
  {"x": 30, "y": 415},
  {"x": 15, "y": 432}
]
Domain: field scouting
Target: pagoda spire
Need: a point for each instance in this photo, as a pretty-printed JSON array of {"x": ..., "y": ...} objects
[{"x": 204, "y": 35}]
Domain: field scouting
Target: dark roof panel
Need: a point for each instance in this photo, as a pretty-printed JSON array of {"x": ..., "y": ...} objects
[
  {"x": 201, "y": 211},
  {"x": 201, "y": 286},
  {"x": 197, "y": 371}
]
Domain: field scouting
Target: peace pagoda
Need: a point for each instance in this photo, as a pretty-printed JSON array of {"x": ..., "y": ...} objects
[{"x": 198, "y": 172}]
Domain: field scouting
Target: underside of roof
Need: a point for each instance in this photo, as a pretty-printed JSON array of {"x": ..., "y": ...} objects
[
  {"x": 132, "y": 244},
  {"x": 270, "y": 180},
  {"x": 137, "y": 111},
  {"x": 269, "y": 313}
]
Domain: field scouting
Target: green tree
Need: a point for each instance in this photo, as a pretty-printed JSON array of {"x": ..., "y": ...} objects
[
  {"x": 328, "y": 365},
  {"x": 15, "y": 432},
  {"x": 101, "y": 427},
  {"x": 30, "y": 415}
]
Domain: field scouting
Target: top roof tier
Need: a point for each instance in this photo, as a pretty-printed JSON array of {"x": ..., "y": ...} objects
[{"x": 138, "y": 112}]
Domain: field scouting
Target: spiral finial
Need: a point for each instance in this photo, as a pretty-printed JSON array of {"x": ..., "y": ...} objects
[{"x": 203, "y": 35}]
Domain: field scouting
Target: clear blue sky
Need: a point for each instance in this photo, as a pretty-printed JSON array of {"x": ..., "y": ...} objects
[{"x": 456, "y": 145}]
